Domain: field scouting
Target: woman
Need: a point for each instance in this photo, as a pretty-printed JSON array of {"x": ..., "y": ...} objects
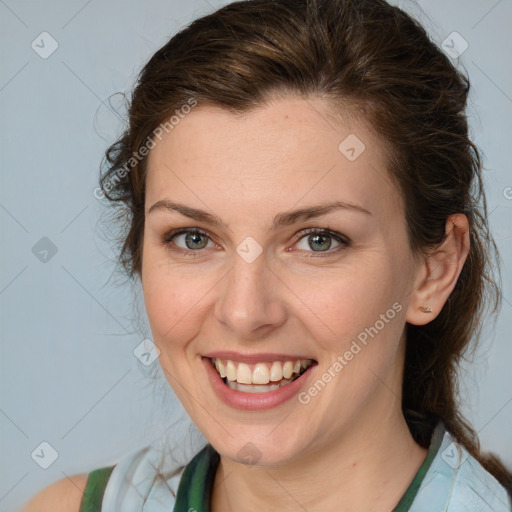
[{"x": 307, "y": 220}]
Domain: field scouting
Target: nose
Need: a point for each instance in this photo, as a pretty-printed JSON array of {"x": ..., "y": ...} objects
[{"x": 249, "y": 303}]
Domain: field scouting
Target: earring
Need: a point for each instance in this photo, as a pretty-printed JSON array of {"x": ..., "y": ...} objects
[{"x": 425, "y": 309}]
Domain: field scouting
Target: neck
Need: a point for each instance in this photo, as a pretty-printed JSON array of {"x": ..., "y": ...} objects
[{"x": 368, "y": 469}]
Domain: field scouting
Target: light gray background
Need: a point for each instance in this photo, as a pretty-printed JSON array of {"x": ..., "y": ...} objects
[{"x": 68, "y": 375}]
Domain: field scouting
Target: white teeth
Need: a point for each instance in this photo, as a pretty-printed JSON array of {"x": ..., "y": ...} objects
[
  {"x": 276, "y": 372},
  {"x": 220, "y": 367},
  {"x": 261, "y": 373},
  {"x": 287, "y": 369},
  {"x": 254, "y": 388},
  {"x": 231, "y": 371},
  {"x": 244, "y": 374}
]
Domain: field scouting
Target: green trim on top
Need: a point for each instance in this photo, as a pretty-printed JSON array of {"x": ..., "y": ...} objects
[
  {"x": 196, "y": 483},
  {"x": 95, "y": 489},
  {"x": 407, "y": 499}
]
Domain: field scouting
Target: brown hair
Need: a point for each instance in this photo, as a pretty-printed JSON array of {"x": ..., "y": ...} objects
[{"x": 374, "y": 58}]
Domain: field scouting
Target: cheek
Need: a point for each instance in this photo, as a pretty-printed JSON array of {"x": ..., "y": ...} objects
[
  {"x": 346, "y": 302},
  {"x": 162, "y": 306},
  {"x": 171, "y": 302},
  {"x": 364, "y": 317}
]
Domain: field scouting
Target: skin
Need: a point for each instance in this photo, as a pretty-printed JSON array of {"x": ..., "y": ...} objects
[{"x": 350, "y": 444}]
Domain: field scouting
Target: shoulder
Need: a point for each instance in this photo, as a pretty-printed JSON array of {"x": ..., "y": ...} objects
[
  {"x": 146, "y": 479},
  {"x": 457, "y": 482},
  {"x": 65, "y": 495},
  {"x": 477, "y": 489}
]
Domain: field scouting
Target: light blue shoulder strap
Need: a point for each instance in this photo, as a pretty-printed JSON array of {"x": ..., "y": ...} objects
[
  {"x": 457, "y": 482},
  {"x": 133, "y": 486}
]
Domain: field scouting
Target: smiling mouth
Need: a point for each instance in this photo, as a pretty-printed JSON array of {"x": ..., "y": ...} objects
[{"x": 260, "y": 377}]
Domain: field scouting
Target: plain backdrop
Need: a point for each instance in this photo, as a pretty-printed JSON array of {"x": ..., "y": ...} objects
[{"x": 69, "y": 328}]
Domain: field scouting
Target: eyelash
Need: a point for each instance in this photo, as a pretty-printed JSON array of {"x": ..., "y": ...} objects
[{"x": 345, "y": 242}]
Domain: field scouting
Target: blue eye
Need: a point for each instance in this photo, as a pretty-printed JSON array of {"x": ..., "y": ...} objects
[
  {"x": 192, "y": 240},
  {"x": 321, "y": 238},
  {"x": 196, "y": 239}
]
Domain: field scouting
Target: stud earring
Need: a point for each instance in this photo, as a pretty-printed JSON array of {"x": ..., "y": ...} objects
[{"x": 425, "y": 309}]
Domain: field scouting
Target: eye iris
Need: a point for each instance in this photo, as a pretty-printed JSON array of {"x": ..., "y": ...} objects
[
  {"x": 192, "y": 239},
  {"x": 317, "y": 236}
]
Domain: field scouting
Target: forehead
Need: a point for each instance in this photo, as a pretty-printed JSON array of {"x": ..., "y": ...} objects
[{"x": 291, "y": 151}]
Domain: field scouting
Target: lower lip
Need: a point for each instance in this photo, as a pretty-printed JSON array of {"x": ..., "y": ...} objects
[{"x": 254, "y": 401}]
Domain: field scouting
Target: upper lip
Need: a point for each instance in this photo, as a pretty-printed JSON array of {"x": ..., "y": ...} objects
[{"x": 255, "y": 358}]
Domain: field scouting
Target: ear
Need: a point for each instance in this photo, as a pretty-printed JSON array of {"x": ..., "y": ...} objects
[{"x": 438, "y": 271}]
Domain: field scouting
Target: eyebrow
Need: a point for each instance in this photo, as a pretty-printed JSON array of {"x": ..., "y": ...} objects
[{"x": 281, "y": 219}]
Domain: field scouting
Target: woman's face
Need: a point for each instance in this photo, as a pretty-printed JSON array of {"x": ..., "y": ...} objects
[{"x": 258, "y": 292}]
